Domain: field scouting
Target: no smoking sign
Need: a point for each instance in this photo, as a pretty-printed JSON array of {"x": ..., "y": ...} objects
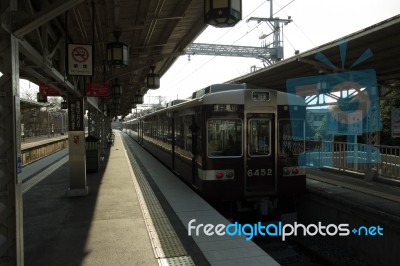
[
  {"x": 80, "y": 60},
  {"x": 80, "y": 54}
]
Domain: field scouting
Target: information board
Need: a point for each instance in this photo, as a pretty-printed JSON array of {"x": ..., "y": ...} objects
[{"x": 75, "y": 114}]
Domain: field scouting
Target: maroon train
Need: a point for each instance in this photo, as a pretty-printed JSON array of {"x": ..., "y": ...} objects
[{"x": 232, "y": 143}]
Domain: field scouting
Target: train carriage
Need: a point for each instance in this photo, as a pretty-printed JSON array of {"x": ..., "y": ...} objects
[{"x": 233, "y": 143}]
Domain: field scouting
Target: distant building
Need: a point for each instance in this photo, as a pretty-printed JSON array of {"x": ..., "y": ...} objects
[{"x": 315, "y": 117}]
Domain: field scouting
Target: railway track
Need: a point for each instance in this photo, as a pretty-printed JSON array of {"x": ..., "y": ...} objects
[{"x": 290, "y": 253}]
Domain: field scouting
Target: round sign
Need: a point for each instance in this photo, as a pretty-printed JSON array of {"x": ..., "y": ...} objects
[{"x": 80, "y": 54}]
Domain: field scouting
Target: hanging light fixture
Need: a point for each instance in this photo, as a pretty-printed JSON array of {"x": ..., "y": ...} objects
[
  {"x": 117, "y": 52},
  {"x": 153, "y": 79},
  {"x": 41, "y": 98},
  {"x": 138, "y": 99},
  {"x": 222, "y": 13}
]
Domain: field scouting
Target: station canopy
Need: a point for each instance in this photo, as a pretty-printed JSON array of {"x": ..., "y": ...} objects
[
  {"x": 382, "y": 39},
  {"x": 155, "y": 32}
]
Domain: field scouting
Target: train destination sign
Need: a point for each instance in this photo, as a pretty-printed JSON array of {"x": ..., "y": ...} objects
[
  {"x": 75, "y": 113},
  {"x": 260, "y": 96}
]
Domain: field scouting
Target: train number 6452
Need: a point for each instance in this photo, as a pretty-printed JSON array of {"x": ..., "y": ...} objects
[{"x": 259, "y": 172}]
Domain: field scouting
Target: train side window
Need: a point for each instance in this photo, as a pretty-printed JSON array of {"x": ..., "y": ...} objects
[
  {"x": 259, "y": 137},
  {"x": 291, "y": 137},
  {"x": 224, "y": 137}
]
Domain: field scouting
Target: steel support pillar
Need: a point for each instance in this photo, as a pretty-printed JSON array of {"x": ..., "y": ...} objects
[
  {"x": 11, "y": 211},
  {"x": 98, "y": 124},
  {"x": 90, "y": 119},
  {"x": 102, "y": 134},
  {"x": 373, "y": 153},
  {"x": 93, "y": 126}
]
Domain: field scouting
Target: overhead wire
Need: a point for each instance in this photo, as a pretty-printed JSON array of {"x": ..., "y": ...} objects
[
  {"x": 294, "y": 23},
  {"x": 240, "y": 26}
]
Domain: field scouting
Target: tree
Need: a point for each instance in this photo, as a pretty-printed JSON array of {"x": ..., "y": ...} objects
[
  {"x": 386, "y": 109},
  {"x": 321, "y": 132}
]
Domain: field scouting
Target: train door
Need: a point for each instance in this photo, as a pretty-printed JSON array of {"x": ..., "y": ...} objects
[{"x": 260, "y": 155}]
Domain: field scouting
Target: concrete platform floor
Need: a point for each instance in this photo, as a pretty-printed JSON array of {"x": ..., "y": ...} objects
[{"x": 104, "y": 228}]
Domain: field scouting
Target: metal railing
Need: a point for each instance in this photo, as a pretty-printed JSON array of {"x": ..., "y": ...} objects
[
  {"x": 390, "y": 162},
  {"x": 41, "y": 132},
  {"x": 354, "y": 157}
]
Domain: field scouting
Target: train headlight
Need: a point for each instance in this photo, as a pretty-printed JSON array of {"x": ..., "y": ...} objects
[
  {"x": 286, "y": 171},
  {"x": 229, "y": 174}
]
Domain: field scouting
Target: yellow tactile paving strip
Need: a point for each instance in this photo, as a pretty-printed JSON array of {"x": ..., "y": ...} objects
[{"x": 167, "y": 247}]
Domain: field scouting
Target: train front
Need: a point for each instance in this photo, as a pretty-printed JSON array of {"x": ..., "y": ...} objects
[{"x": 254, "y": 139}]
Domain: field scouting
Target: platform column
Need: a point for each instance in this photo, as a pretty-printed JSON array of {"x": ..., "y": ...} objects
[
  {"x": 90, "y": 121},
  {"x": 11, "y": 214},
  {"x": 98, "y": 124},
  {"x": 77, "y": 152},
  {"x": 102, "y": 133}
]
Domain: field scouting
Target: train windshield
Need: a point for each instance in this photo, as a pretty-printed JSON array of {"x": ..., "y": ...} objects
[
  {"x": 291, "y": 137},
  {"x": 224, "y": 137},
  {"x": 259, "y": 137}
]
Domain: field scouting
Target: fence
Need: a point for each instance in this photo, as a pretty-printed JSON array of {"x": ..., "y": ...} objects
[
  {"x": 354, "y": 157},
  {"x": 39, "y": 132}
]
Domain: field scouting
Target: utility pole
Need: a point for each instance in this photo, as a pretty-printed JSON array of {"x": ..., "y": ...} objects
[
  {"x": 269, "y": 53},
  {"x": 277, "y": 34}
]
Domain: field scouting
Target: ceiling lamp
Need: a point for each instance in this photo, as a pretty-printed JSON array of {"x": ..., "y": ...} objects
[
  {"x": 138, "y": 99},
  {"x": 41, "y": 98},
  {"x": 64, "y": 105},
  {"x": 117, "y": 52},
  {"x": 153, "y": 79},
  {"x": 222, "y": 13}
]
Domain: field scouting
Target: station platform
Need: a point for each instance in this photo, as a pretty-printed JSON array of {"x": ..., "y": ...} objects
[
  {"x": 35, "y": 141},
  {"x": 136, "y": 213}
]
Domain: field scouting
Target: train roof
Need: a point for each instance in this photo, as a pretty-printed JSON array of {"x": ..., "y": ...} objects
[
  {"x": 227, "y": 94},
  {"x": 289, "y": 99},
  {"x": 235, "y": 95},
  {"x": 175, "y": 102},
  {"x": 217, "y": 88}
]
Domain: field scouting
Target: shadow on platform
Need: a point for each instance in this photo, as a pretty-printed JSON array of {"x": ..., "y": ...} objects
[{"x": 104, "y": 228}]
